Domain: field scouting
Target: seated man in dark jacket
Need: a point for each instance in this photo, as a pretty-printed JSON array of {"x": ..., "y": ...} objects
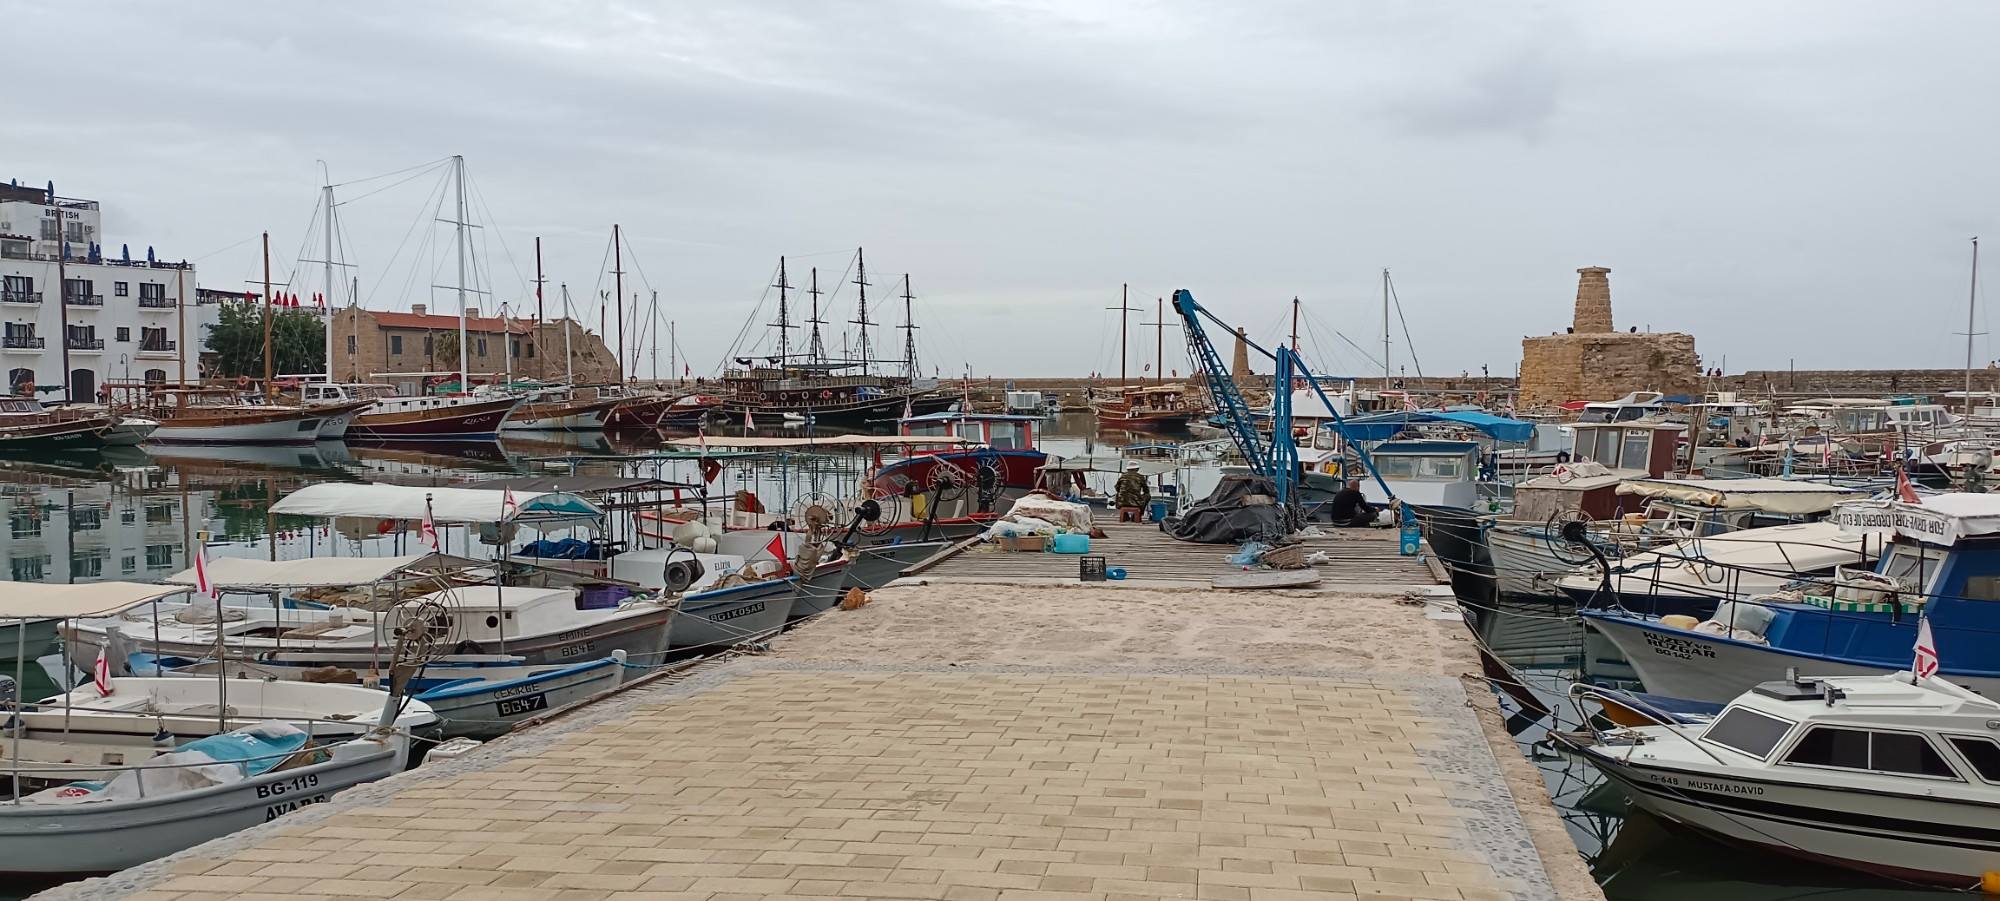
[{"x": 1350, "y": 508}]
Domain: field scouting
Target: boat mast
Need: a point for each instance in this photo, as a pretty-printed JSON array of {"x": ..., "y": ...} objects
[
  {"x": 1385, "y": 329},
  {"x": 652, "y": 324},
  {"x": 861, "y": 279},
  {"x": 1124, "y": 309},
  {"x": 539, "y": 280},
  {"x": 1159, "y": 341},
  {"x": 618, "y": 291},
  {"x": 816, "y": 350},
  {"x": 464, "y": 377},
  {"x": 267, "y": 312},
  {"x": 784, "y": 323},
  {"x": 1971, "y": 305},
  {"x": 507, "y": 342},
  {"x": 181, "y": 322},
  {"x": 326, "y": 302},
  {"x": 569, "y": 372},
  {"x": 910, "y": 368},
  {"x": 1295, "y": 325}
]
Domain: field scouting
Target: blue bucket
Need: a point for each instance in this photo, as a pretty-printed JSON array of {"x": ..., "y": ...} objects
[
  {"x": 1070, "y": 543},
  {"x": 1159, "y": 511}
]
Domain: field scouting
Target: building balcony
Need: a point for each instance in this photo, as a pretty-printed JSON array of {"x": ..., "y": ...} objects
[
  {"x": 157, "y": 348},
  {"x": 156, "y": 303},
  {"x": 21, "y": 342},
  {"x": 84, "y": 300},
  {"x": 20, "y": 297},
  {"x": 86, "y": 344}
]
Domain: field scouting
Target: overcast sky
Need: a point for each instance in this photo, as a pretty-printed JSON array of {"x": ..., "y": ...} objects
[{"x": 1784, "y": 180}]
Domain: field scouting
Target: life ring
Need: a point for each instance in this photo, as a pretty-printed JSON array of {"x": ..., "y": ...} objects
[{"x": 242, "y": 381}]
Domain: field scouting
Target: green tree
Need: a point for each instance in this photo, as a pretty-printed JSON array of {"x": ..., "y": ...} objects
[
  {"x": 298, "y": 341},
  {"x": 444, "y": 351}
]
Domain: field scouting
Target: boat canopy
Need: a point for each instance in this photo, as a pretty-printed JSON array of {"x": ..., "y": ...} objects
[
  {"x": 1786, "y": 496},
  {"x": 36, "y": 600},
  {"x": 1381, "y": 426},
  {"x": 1941, "y": 519},
  {"x": 244, "y": 574},
  {"x": 446, "y": 505}
]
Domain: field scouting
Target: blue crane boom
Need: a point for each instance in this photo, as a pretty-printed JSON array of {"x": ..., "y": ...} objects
[{"x": 1279, "y": 460}]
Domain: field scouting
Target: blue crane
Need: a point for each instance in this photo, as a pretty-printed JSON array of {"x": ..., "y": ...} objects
[{"x": 1277, "y": 460}]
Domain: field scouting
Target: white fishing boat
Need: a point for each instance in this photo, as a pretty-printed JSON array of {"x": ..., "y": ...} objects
[
  {"x": 87, "y": 798},
  {"x": 1894, "y": 775},
  {"x": 139, "y": 709},
  {"x": 1691, "y": 577},
  {"x": 476, "y": 696}
]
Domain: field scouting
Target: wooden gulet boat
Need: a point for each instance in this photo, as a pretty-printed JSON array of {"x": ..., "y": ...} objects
[
  {"x": 562, "y": 410},
  {"x": 26, "y": 424},
  {"x": 229, "y": 416},
  {"x": 388, "y": 417},
  {"x": 1156, "y": 407}
]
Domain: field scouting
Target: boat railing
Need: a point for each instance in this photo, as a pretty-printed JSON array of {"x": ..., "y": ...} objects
[{"x": 94, "y": 772}]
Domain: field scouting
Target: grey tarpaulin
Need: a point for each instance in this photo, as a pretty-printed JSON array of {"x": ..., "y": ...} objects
[{"x": 1241, "y": 508}]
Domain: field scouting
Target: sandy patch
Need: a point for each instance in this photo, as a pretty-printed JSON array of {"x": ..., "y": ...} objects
[{"x": 1053, "y": 626}]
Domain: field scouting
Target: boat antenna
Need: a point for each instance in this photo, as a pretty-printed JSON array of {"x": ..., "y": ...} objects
[
  {"x": 815, "y": 351},
  {"x": 618, "y": 292},
  {"x": 910, "y": 368},
  {"x": 861, "y": 317},
  {"x": 784, "y": 323}
]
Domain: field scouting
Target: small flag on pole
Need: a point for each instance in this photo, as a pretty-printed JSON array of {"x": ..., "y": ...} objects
[
  {"x": 101, "y": 673},
  {"x": 749, "y": 424},
  {"x": 1906, "y": 492},
  {"x": 906, "y": 408},
  {"x": 429, "y": 535},
  {"x": 1926, "y": 664},
  {"x": 508, "y": 508},
  {"x": 202, "y": 586},
  {"x": 777, "y": 549},
  {"x": 701, "y": 435}
]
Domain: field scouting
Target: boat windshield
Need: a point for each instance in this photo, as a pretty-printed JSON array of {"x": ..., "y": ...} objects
[
  {"x": 1746, "y": 730},
  {"x": 1422, "y": 467},
  {"x": 1910, "y": 565}
]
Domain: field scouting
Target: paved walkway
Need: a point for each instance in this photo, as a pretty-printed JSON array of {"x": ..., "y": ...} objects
[{"x": 769, "y": 779}]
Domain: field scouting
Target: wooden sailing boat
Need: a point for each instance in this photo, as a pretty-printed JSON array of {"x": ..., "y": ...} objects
[{"x": 1160, "y": 407}]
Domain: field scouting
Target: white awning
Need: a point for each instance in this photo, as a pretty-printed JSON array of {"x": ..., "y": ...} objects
[
  {"x": 1786, "y": 496},
  {"x": 447, "y": 505},
  {"x": 1943, "y": 519},
  {"x": 244, "y": 574},
  {"x": 35, "y": 600}
]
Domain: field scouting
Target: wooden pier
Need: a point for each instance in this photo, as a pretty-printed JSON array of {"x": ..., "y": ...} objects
[{"x": 1360, "y": 560}]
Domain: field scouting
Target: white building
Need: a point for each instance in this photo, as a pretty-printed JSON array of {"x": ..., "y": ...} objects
[{"x": 112, "y": 318}]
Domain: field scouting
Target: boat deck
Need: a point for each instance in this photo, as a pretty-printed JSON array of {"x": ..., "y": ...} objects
[{"x": 1362, "y": 560}]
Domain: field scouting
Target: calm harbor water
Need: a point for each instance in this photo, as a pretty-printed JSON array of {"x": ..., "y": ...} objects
[{"x": 132, "y": 514}]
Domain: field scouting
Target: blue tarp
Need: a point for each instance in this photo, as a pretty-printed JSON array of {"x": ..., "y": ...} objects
[{"x": 1382, "y": 426}]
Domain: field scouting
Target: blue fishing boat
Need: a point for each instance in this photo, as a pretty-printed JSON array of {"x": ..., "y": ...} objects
[{"x": 1939, "y": 559}]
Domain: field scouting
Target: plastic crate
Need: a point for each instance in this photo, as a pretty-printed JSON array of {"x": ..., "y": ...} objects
[{"x": 1090, "y": 569}]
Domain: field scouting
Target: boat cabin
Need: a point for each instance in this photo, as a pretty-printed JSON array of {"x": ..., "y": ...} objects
[
  {"x": 1634, "y": 406},
  {"x": 999, "y": 431},
  {"x": 1430, "y": 473},
  {"x": 1637, "y": 446},
  {"x": 1143, "y": 400},
  {"x": 1880, "y": 726}
]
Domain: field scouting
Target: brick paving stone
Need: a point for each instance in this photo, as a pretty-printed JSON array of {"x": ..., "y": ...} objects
[{"x": 997, "y": 786}]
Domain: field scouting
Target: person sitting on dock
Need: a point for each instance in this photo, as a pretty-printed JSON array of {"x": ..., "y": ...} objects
[
  {"x": 1133, "y": 495},
  {"x": 1351, "y": 508}
]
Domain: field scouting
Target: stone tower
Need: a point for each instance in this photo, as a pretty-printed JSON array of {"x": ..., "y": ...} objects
[
  {"x": 1593, "y": 302},
  {"x": 1239, "y": 366},
  {"x": 1595, "y": 361}
]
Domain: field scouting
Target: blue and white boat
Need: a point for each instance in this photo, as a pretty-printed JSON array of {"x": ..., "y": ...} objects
[{"x": 1941, "y": 561}]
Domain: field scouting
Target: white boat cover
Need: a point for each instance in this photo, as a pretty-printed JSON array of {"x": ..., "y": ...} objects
[
  {"x": 243, "y": 574},
  {"x": 452, "y": 505},
  {"x": 1942, "y": 519},
  {"x": 1787, "y": 496},
  {"x": 35, "y": 600}
]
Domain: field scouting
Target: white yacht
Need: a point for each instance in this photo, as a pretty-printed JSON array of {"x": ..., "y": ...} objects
[{"x": 1894, "y": 775}]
